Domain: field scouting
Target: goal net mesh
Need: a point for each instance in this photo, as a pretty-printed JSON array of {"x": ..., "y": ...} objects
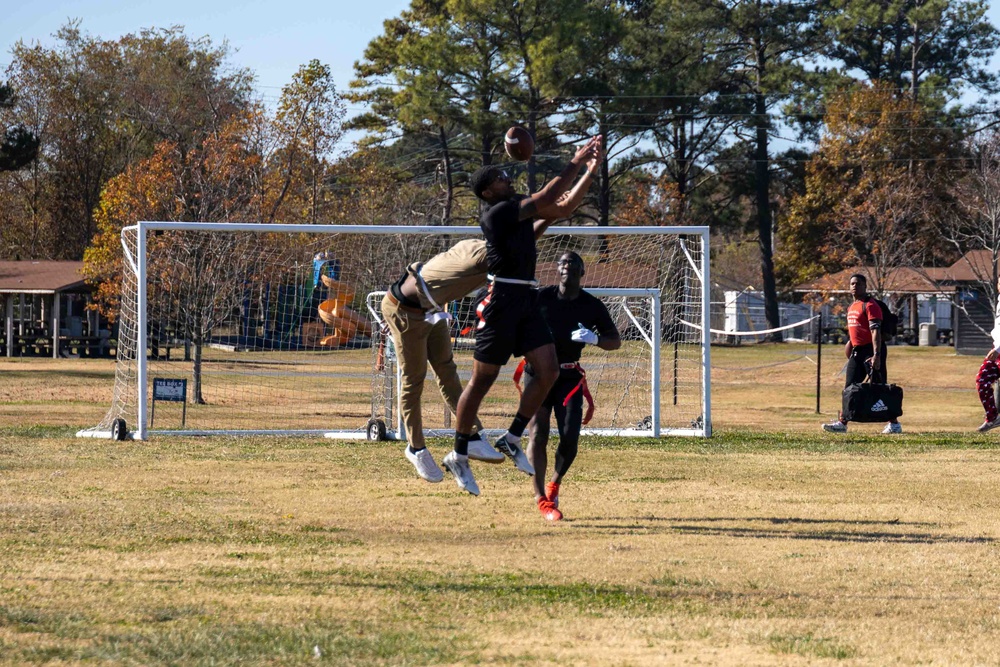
[{"x": 280, "y": 331}]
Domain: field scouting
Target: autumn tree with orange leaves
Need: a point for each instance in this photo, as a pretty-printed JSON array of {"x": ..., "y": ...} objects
[
  {"x": 873, "y": 189},
  {"x": 253, "y": 169}
]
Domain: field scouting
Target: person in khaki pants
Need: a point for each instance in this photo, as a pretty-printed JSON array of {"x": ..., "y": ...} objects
[{"x": 413, "y": 309}]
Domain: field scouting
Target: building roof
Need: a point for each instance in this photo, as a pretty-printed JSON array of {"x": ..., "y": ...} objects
[
  {"x": 897, "y": 281},
  {"x": 973, "y": 266},
  {"x": 40, "y": 277}
]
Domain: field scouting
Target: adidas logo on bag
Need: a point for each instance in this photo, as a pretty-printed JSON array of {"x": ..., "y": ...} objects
[{"x": 879, "y": 406}]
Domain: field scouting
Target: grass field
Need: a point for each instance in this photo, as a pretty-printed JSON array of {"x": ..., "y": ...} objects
[{"x": 771, "y": 543}]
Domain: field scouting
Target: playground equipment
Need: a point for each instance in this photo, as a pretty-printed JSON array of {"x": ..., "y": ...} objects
[{"x": 335, "y": 312}]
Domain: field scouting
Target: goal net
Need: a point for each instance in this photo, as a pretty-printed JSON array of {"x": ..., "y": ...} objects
[{"x": 228, "y": 328}]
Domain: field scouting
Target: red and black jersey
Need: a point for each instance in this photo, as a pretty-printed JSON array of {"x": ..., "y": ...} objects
[{"x": 863, "y": 317}]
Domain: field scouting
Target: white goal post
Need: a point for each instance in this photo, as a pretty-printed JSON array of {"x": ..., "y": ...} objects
[{"x": 242, "y": 328}]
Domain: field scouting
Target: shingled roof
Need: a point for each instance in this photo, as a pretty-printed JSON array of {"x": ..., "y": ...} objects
[
  {"x": 971, "y": 267},
  {"x": 40, "y": 277},
  {"x": 897, "y": 281}
]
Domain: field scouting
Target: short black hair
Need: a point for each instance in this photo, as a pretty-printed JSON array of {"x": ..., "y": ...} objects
[
  {"x": 483, "y": 178},
  {"x": 860, "y": 276}
]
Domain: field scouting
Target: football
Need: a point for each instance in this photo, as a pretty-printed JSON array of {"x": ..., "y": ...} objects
[{"x": 518, "y": 143}]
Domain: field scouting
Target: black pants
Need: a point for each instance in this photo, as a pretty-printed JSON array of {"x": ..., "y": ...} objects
[
  {"x": 569, "y": 418},
  {"x": 857, "y": 366}
]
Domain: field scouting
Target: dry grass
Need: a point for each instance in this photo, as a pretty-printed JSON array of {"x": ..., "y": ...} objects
[
  {"x": 772, "y": 543},
  {"x": 774, "y": 387}
]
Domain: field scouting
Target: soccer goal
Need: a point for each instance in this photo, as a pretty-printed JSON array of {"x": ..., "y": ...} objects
[{"x": 230, "y": 328}]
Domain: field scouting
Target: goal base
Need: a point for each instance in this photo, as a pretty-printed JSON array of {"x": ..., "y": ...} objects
[{"x": 491, "y": 434}]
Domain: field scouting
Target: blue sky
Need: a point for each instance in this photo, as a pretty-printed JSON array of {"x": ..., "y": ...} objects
[{"x": 271, "y": 38}]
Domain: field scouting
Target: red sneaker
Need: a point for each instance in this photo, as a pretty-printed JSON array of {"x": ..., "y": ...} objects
[
  {"x": 552, "y": 493},
  {"x": 548, "y": 510}
]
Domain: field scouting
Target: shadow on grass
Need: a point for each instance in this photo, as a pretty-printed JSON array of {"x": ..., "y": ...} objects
[
  {"x": 748, "y": 441},
  {"x": 833, "y": 533},
  {"x": 60, "y": 375}
]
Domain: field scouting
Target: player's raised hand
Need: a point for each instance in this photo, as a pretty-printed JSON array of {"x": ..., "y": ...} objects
[
  {"x": 583, "y": 153},
  {"x": 596, "y": 156}
]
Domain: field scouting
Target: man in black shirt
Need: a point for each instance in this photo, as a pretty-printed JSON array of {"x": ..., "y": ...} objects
[
  {"x": 572, "y": 315},
  {"x": 509, "y": 320}
]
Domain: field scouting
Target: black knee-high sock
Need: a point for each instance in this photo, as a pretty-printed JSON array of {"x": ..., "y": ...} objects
[
  {"x": 462, "y": 443},
  {"x": 519, "y": 424}
]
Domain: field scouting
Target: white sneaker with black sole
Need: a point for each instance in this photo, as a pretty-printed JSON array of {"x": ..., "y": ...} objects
[
  {"x": 425, "y": 465},
  {"x": 835, "y": 427},
  {"x": 458, "y": 466},
  {"x": 480, "y": 450},
  {"x": 514, "y": 452}
]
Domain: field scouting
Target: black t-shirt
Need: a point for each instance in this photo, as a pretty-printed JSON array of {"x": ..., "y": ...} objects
[
  {"x": 510, "y": 242},
  {"x": 565, "y": 316}
]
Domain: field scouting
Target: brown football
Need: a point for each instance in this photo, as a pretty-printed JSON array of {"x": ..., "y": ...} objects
[{"x": 518, "y": 143}]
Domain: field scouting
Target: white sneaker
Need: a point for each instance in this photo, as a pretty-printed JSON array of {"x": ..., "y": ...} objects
[
  {"x": 835, "y": 427},
  {"x": 480, "y": 450},
  {"x": 893, "y": 427},
  {"x": 516, "y": 455},
  {"x": 989, "y": 425},
  {"x": 458, "y": 466},
  {"x": 425, "y": 465}
]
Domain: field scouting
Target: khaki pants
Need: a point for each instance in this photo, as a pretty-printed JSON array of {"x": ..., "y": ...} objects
[{"x": 417, "y": 344}]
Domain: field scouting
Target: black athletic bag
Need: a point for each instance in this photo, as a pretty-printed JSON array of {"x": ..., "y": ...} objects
[{"x": 868, "y": 402}]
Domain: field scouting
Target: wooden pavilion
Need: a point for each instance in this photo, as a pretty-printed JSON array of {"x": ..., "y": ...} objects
[{"x": 45, "y": 305}]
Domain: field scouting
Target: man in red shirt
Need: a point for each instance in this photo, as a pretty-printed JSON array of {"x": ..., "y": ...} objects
[{"x": 866, "y": 349}]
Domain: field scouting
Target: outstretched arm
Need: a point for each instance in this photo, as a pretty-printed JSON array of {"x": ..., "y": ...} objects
[
  {"x": 548, "y": 196},
  {"x": 571, "y": 200}
]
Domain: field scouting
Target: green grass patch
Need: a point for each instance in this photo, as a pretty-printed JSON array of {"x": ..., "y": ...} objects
[
  {"x": 217, "y": 643},
  {"x": 810, "y": 646}
]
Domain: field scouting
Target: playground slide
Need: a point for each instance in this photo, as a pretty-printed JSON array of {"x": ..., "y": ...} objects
[{"x": 336, "y": 313}]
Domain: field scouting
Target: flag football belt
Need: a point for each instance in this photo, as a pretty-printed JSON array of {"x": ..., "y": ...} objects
[
  {"x": 511, "y": 281},
  {"x": 437, "y": 313},
  {"x": 580, "y": 386},
  {"x": 481, "y": 308},
  {"x": 493, "y": 280}
]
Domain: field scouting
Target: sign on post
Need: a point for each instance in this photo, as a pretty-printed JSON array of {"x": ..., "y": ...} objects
[{"x": 169, "y": 389}]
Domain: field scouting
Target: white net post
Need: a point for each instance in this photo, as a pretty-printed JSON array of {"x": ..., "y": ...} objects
[
  {"x": 142, "y": 380},
  {"x": 706, "y": 336},
  {"x": 276, "y": 328}
]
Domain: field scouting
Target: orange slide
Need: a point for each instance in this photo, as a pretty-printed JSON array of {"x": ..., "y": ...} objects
[{"x": 336, "y": 313}]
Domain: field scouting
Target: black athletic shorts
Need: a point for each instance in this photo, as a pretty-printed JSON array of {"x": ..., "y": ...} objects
[{"x": 510, "y": 323}]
